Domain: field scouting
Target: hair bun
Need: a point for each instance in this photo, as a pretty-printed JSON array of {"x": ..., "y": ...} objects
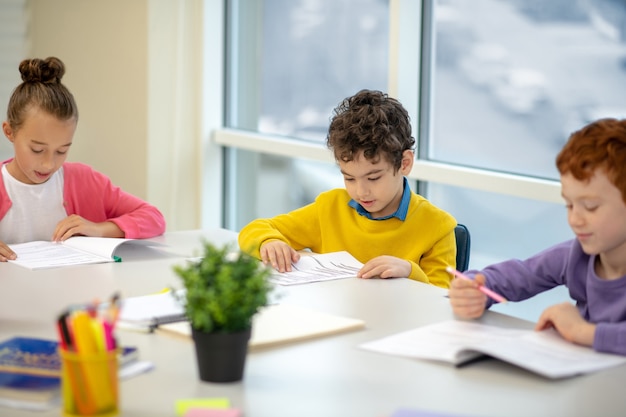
[{"x": 47, "y": 71}]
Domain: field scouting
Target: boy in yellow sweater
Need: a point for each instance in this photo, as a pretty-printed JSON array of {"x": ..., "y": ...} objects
[{"x": 393, "y": 231}]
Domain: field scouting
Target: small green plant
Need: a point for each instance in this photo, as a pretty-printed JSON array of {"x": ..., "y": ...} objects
[{"x": 224, "y": 289}]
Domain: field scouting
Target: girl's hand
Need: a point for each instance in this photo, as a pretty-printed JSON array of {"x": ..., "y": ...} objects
[
  {"x": 75, "y": 225},
  {"x": 566, "y": 319},
  {"x": 278, "y": 254},
  {"x": 467, "y": 300},
  {"x": 6, "y": 253},
  {"x": 385, "y": 267}
]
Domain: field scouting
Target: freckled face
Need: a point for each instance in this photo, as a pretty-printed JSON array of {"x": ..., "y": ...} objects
[
  {"x": 376, "y": 186},
  {"x": 41, "y": 145}
]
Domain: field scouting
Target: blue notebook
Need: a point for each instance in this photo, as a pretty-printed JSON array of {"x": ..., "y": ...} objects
[
  {"x": 30, "y": 355},
  {"x": 29, "y": 373},
  {"x": 30, "y": 370}
]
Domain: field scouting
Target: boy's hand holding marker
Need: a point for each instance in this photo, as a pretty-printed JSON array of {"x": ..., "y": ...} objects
[{"x": 468, "y": 296}]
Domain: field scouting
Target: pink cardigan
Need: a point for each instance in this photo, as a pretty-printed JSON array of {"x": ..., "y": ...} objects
[{"x": 92, "y": 196}]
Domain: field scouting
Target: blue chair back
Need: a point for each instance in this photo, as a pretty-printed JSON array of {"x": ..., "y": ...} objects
[{"x": 463, "y": 245}]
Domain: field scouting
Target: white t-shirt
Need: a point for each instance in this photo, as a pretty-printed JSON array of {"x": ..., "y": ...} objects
[{"x": 36, "y": 209}]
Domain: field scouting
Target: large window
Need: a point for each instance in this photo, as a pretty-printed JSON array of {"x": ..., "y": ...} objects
[
  {"x": 509, "y": 81},
  {"x": 314, "y": 53},
  {"x": 292, "y": 62},
  {"x": 494, "y": 88},
  {"x": 512, "y": 79}
]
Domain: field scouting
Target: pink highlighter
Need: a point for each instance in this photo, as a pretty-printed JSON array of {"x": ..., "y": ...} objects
[{"x": 482, "y": 288}]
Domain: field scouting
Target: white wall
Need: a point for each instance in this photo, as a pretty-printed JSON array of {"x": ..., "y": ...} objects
[
  {"x": 13, "y": 45},
  {"x": 135, "y": 68},
  {"x": 103, "y": 44}
]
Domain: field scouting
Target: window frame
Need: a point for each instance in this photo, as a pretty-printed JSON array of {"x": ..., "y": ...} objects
[{"x": 405, "y": 60}]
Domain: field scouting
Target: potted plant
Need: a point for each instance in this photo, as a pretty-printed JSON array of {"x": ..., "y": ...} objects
[{"x": 223, "y": 291}]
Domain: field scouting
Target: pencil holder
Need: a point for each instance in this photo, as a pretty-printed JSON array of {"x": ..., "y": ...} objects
[{"x": 89, "y": 383}]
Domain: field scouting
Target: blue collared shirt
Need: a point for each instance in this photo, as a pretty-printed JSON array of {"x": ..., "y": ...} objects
[{"x": 400, "y": 213}]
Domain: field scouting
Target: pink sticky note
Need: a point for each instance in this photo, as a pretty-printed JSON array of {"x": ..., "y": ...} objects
[{"x": 213, "y": 412}]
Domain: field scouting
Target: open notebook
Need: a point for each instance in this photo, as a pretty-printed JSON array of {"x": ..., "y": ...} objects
[
  {"x": 77, "y": 250},
  {"x": 459, "y": 342},
  {"x": 314, "y": 267},
  {"x": 146, "y": 312},
  {"x": 283, "y": 323}
]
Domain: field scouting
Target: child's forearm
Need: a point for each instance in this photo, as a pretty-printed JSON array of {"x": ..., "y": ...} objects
[
  {"x": 110, "y": 229},
  {"x": 585, "y": 334}
]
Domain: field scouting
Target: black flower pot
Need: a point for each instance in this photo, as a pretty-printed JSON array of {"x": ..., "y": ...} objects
[{"x": 221, "y": 357}]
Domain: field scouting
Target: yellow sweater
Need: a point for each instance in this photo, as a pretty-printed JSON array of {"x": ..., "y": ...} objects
[{"x": 329, "y": 224}]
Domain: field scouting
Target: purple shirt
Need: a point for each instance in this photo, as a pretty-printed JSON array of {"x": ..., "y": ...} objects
[{"x": 602, "y": 302}]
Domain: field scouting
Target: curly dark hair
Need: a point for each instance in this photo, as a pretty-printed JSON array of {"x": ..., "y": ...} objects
[
  {"x": 373, "y": 123},
  {"x": 41, "y": 87}
]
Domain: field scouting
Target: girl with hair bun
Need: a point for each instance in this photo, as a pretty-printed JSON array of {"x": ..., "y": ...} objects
[{"x": 43, "y": 197}]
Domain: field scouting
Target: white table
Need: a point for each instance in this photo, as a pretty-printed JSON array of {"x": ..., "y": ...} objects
[{"x": 325, "y": 377}]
